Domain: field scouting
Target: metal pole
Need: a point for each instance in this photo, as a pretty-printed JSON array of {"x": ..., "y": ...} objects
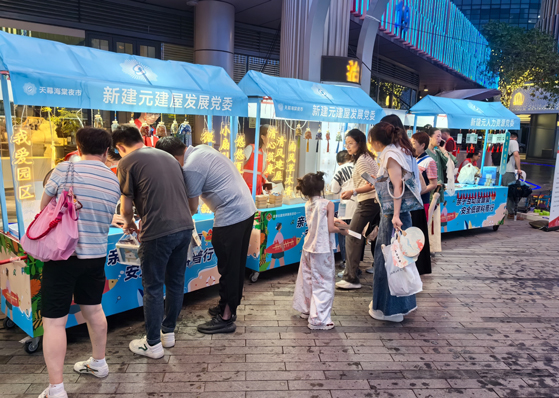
[
  {"x": 3, "y": 206},
  {"x": 10, "y": 131},
  {"x": 414, "y": 123},
  {"x": 484, "y": 145},
  {"x": 256, "y": 144}
]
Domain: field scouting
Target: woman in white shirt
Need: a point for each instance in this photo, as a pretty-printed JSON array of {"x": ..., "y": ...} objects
[
  {"x": 395, "y": 157},
  {"x": 368, "y": 210}
]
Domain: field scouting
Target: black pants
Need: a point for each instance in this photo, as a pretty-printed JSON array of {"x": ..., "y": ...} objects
[
  {"x": 231, "y": 247},
  {"x": 368, "y": 211},
  {"x": 423, "y": 263}
]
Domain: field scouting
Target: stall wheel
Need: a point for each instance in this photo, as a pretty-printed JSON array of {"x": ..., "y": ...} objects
[
  {"x": 496, "y": 227},
  {"x": 33, "y": 345},
  {"x": 8, "y": 323},
  {"x": 254, "y": 276}
]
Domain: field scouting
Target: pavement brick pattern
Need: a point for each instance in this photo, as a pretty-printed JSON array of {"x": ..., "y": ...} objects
[{"x": 487, "y": 325}]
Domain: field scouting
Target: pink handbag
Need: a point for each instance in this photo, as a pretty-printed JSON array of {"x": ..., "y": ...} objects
[{"x": 53, "y": 234}]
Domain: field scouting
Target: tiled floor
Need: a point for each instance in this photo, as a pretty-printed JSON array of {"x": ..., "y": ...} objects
[{"x": 487, "y": 325}]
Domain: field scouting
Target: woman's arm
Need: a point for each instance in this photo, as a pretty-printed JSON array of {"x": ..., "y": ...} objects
[
  {"x": 45, "y": 200},
  {"x": 395, "y": 174},
  {"x": 330, "y": 214},
  {"x": 431, "y": 187}
]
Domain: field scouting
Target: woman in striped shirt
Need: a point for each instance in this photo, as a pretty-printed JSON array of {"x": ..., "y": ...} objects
[{"x": 368, "y": 210}]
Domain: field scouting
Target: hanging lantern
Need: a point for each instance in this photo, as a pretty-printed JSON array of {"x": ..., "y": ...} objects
[
  {"x": 132, "y": 122},
  {"x": 185, "y": 133},
  {"x": 145, "y": 129},
  {"x": 298, "y": 134},
  {"x": 174, "y": 128},
  {"x": 338, "y": 140},
  {"x": 98, "y": 121},
  {"x": 161, "y": 130},
  {"x": 308, "y": 136},
  {"x": 328, "y": 140},
  {"x": 114, "y": 125},
  {"x": 318, "y": 138}
]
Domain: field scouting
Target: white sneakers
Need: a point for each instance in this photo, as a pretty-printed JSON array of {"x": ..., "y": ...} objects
[
  {"x": 379, "y": 316},
  {"x": 168, "y": 339},
  {"x": 141, "y": 347},
  {"x": 91, "y": 367},
  {"x": 48, "y": 394},
  {"x": 347, "y": 286}
]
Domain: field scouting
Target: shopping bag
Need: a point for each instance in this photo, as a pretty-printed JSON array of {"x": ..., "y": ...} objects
[
  {"x": 434, "y": 228},
  {"x": 468, "y": 174},
  {"x": 402, "y": 281},
  {"x": 449, "y": 186},
  {"x": 127, "y": 249},
  {"x": 53, "y": 234}
]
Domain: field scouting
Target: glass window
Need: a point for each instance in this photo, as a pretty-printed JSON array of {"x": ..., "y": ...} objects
[
  {"x": 100, "y": 44},
  {"x": 485, "y": 6},
  {"x": 476, "y": 2},
  {"x": 127, "y": 48},
  {"x": 147, "y": 51}
]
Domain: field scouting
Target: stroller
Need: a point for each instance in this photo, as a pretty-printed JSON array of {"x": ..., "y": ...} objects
[{"x": 518, "y": 190}]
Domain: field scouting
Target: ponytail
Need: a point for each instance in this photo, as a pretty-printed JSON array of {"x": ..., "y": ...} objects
[{"x": 387, "y": 134}]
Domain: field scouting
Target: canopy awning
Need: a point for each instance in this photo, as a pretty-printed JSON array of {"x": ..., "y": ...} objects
[
  {"x": 304, "y": 100},
  {"x": 468, "y": 114},
  {"x": 475, "y": 94},
  {"x": 47, "y": 73}
]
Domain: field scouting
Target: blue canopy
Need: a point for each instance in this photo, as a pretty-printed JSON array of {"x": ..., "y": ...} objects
[
  {"x": 468, "y": 114},
  {"x": 47, "y": 73},
  {"x": 304, "y": 100}
]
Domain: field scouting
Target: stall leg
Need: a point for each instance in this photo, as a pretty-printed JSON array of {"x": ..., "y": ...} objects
[
  {"x": 32, "y": 345},
  {"x": 254, "y": 276}
]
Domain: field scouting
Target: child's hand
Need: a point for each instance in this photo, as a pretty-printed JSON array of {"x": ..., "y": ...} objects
[
  {"x": 337, "y": 221},
  {"x": 347, "y": 195}
]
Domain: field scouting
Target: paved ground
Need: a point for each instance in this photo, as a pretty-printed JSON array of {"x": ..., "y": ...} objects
[{"x": 487, "y": 325}]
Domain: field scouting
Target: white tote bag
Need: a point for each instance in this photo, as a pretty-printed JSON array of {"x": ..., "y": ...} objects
[{"x": 402, "y": 281}]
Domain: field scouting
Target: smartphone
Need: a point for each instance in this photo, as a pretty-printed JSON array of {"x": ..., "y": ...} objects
[
  {"x": 443, "y": 143},
  {"x": 367, "y": 177}
]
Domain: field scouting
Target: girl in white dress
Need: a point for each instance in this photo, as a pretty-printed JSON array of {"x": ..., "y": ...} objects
[{"x": 314, "y": 290}]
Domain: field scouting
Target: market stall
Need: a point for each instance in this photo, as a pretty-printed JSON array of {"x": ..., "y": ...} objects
[
  {"x": 486, "y": 128},
  {"x": 308, "y": 121},
  {"x": 44, "y": 79}
]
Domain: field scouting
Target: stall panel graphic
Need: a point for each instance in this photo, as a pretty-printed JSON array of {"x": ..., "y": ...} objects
[{"x": 473, "y": 207}]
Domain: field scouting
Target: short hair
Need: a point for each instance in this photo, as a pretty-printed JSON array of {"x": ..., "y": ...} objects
[
  {"x": 512, "y": 135},
  {"x": 127, "y": 135},
  {"x": 422, "y": 138},
  {"x": 92, "y": 141},
  {"x": 432, "y": 130},
  {"x": 114, "y": 155},
  {"x": 445, "y": 131},
  {"x": 312, "y": 184},
  {"x": 171, "y": 145},
  {"x": 342, "y": 156}
]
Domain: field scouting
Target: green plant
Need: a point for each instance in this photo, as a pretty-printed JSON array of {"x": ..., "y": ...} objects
[
  {"x": 66, "y": 122},
  {"x": 523, "y": 58}
]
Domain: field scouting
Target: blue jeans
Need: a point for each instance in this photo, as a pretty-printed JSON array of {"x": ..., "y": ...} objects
[
  {"x": 382, "y": 300},
  {"x": 163, "y": 263}
]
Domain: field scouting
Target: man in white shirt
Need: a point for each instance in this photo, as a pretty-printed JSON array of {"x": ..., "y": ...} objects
[
  {"x": 513, "y": 163},
  {"x": 341, "y": 182}
]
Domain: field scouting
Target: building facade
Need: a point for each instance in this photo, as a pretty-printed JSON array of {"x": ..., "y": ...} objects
[
  {"x": 549, "y": 18},
  {"x": 522, "y": 13}
]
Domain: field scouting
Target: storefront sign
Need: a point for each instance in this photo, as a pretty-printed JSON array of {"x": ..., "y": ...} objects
[
  {"x": 341, "y": 70},
  {"x": 524, "y": 102}
]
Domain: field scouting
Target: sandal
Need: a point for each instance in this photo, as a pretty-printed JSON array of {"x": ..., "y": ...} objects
[{"x": 321, "y": 327}]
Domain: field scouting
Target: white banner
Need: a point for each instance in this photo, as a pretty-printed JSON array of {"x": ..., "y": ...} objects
[{"x": 554, "y": 208}]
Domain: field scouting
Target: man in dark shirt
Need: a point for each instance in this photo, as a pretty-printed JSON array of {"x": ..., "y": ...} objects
[{"x": 152, "y": 181}]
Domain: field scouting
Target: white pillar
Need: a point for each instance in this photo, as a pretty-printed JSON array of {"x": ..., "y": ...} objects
[
  {"x": 336, "y": 29},
  {"x": 367, "y": 38}
]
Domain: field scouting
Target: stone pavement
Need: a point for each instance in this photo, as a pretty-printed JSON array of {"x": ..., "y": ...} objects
[{"x": 487, "y": 325}]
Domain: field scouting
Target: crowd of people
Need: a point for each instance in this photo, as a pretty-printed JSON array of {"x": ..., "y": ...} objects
[{"x": 149, "y": 178}]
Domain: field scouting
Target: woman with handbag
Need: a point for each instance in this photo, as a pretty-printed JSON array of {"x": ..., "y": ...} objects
[
  {"x": 398, "y": 191},
  {"x": 76, "y": 269}
]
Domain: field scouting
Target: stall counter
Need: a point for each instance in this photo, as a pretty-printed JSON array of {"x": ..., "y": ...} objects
[{"x": 473, "y": 206}]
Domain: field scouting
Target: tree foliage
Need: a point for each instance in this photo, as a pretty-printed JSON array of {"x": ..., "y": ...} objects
[{"x": 523, "y": 58}]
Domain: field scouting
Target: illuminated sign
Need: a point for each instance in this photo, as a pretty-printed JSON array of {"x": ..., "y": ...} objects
[
  {"x": 23, "y": 164},
  {"x": 518, "y": 99},
  {"x": 341, "y": 70}
]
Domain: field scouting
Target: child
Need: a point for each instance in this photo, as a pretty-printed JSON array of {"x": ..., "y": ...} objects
[
  {"x": 342, "y": 182},
  {"x": 314, "y": 290}
]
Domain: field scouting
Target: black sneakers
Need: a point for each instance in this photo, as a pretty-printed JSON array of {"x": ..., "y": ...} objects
[
  {"x": 215, "y": 311},
  {"x": 218, "y": 325}
]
